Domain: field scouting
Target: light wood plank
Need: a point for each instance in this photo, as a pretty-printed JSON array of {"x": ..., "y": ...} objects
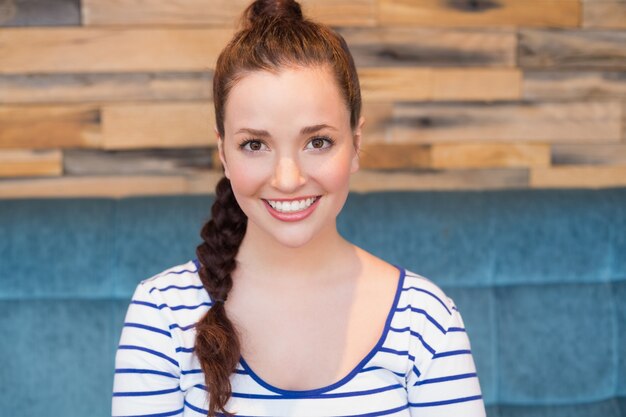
[
  {"x": 489, "y": 155},
  {"x": 535, "y": 13},
  {"x": 39, "y": 126},
  {"x": 378, "y": 116},
  {"x": 604, "y": 14},
  {"x": 29, "y": 163},
  {"x": 157, "y": 125},
  {"x": 578, "y": 177},
  {"x": 377, "y": 156},
  {"x": 89, "y": 50},
  {"x": 39, "y": 13},
  {"x": 370, "y": 181},
  {"x": 220, "y": 12},
  {"x": 586, "y": 122},
  {"x": 572, "y": 49},
  {"x": 82, "y": 88},
  {"x": 597, "y": 154},
  {"x": 441, "y": 84},
  {"x": 431, "y": 47},
  {"x": 110, "y": 186},
  {"x": 574, "y": 84}
]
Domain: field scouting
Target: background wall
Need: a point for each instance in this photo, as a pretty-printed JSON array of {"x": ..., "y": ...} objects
[{"x": 113, "y": 97}]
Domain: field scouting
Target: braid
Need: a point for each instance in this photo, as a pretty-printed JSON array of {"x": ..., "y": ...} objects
[{"x": 217, "y": 343}]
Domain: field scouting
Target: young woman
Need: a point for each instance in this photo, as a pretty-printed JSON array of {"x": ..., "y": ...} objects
[{"x": 280, "y": 315}]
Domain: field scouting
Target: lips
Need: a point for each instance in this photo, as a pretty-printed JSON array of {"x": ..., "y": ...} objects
[{"x": 292, "y": 210}]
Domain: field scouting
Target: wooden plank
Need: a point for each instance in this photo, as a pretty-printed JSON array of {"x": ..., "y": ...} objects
[
  {"x": 378, "y": 116},
  {"x": 597, "y": 154},
  {"x": 38, "y": 126},
  {"x": 475, "y": 179},
  {"x": 137, "y": 162},
  {"x": 89, "y": 50},
  {"x": 604, "y": 14},
  {"x": 157, "y": 125},
  {"x": 82, "y": 88},
  {"x": 220, "y": 13},
  {"x": 402, "y": 156},
  {"x": 587, "y": 122},
  {"x": 29, "y": 163},
  {"x": 574, "y": 84},
  {"x": 441, "y": 84},
  {"x": 110, "y": 186},
  {"x": 571, "y": 49},
  {"x": 579, "y": 176},
  {"x": 535, "y": 13},
  {"x": 39, "y": 13},
  {"x": 431, "y": 47},
  {"x": 489, "y": 155}
]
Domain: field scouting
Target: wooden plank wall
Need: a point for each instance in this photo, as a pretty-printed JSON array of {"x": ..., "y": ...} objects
[{"x": 113, "y": 98}]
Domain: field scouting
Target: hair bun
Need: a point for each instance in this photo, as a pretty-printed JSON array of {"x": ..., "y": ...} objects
[{"x": 261, "y": 10}]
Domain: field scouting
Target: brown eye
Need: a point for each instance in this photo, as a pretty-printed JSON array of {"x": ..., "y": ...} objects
[
  {"x": 317, "y": 143},
  {"x": 255, "y": 145}
]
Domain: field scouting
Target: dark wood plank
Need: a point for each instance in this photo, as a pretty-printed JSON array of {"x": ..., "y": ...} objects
[
  {"x": 597, "y": 154},
  {"x": 20, "y": 13},
  {"x": 536, "y": 13},
  {"x": 102, "y": 87},
  {"x": 572, "y": 49},
  {"x": 411, "y": 47},
  {"x": 574, "y": 84}
]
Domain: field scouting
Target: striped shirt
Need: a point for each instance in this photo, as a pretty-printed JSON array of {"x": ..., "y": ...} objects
[{"x": 421, "y": 366}]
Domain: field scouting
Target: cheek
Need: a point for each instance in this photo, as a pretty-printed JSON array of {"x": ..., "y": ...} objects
[
  {"x": 334, "y": 174},
  {"x": 245, "y": 176}
]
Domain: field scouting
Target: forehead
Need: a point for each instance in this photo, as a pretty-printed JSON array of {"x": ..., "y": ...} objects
[{"x": 291, "y": 96}]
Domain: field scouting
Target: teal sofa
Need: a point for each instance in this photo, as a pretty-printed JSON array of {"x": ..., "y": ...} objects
[{"x": 539, "y": 276}]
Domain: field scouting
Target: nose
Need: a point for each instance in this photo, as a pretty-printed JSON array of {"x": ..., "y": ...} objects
[{"x": 288, "y": 176}]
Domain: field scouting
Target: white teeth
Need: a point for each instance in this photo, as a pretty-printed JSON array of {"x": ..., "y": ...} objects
[{"x": 291, "y": 206}]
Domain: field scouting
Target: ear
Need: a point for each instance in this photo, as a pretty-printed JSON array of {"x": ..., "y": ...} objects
[
  {"x": 220, "y": 151},
  {"x": 357, "y": 145}
]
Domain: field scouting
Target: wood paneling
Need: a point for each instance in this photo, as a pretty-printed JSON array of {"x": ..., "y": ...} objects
[
  {"x": 39, "y": 13},
  {"x": 29, "y": 163},
  {"x": 89, "y": 50},
  {"x": 412, "y": 84},
  {"x": 167, "y": 125},
  {"x": 591, "y": 177},
  {"x": 38, "y": 127},
  {"x": 412, "y": 47},
  {"x": 604, "y": 154},
  {"x": 402, "y": 156},
  {"x": 489, "y": 155},
  {"x": 572, "y": 49},
  {"x": 217, "y": 12},
  {"x": 81, "y": 88},
  {"x": 110, "y": 186},
  {"x": 604, "y": 14},
  {"x": 574, "y": 85},
  {"x": 137, "y": 162},
  {"x": 533, "y": 122},
  {"x": 367, "y": 181},
  {"x": 561, "y": 13}
]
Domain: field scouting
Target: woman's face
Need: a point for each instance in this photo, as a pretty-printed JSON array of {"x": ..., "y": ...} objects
[{"x": 288, "y": 151}]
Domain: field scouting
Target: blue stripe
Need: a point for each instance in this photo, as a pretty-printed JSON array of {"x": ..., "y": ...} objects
[
  {"x": 183, "y": 328},
  {"x": 319, "y": 396},
  {"x": 149, "y": 328},
  {"x": 375, "y": 368},
  {"x": 416, "y": 334},
  {"x": 191, "y": 371},
  {"x": 174, "y": 308},
  {"x": 417, "y": 371},
  {"x": 143, "y": 371},
  {"x": 165, "y": 414},
  {"x": 446, "y": 402},
  {"x": 189, "y": 307},
  {"x": 431, "y": 294},
  {"x": 182, "y": 349},
  {"x": 176, "y": 287},
  {"x": 145, "y": 393},
  {"x": 445, "y": 379},
  {"x": 200, "y": 410},
  {"x": 428, "y": 316},
  {"x": 147, "y": 304},
  {"x": 456, "y": 329},
  {"x": 395, "y": 352},
  {"x": 153, "y": 352},
  {"x": 452, "y": 353}
]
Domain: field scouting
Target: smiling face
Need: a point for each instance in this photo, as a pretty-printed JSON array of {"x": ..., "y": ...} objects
[{"x": 288, "y": 150}]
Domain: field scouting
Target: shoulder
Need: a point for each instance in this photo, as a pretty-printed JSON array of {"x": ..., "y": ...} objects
[{"x": 176, "y": 277}]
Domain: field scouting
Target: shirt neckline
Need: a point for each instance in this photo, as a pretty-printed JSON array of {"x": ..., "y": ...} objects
[{"x": 351, "y": 374}]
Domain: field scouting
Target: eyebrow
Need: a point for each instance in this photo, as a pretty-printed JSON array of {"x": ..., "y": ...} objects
[{"x": 304, "y": 131}]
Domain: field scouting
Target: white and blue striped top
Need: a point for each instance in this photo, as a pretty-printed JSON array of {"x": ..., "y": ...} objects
[{"x": 421, "y": 366}]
